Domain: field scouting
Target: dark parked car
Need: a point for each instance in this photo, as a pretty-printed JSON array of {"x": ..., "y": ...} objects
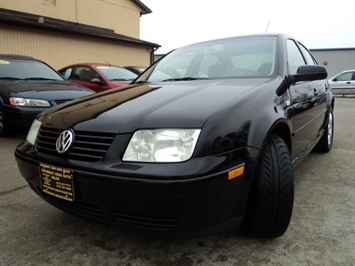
[
  {"x": 98, "y": 77},
  {"x": 28, "y": 87},
  {"x": 205, "y": 140}
]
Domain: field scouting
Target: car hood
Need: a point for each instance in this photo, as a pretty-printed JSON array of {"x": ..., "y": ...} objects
[
  {"x": 166, "y": 105},
  {"x": 50, "y": 90}
]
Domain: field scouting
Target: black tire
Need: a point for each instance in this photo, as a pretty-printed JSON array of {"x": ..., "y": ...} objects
[
  {"x": 326, "y": 142},
  {"x": 5, "y": 128},
  {"x": 270, "y": 204}
]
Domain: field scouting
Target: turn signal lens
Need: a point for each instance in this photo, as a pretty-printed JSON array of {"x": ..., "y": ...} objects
[{"x": 235, "y": 173}]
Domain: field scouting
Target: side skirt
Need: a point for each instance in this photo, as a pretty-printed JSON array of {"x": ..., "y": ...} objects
[{"x": 308, "y": 149}]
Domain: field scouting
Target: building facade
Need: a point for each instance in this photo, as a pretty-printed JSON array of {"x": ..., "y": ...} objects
[
  {"x": 336, "y": 60},
  {"x": 62, "y": 32}
]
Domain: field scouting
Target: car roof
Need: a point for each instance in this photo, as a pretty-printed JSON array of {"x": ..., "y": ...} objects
[
  {"x": 90, "y": 64},
  {"x": 94, "y": 65},
  {"x": 279, "y": 35},
  {"x": 15, "y": 56}
]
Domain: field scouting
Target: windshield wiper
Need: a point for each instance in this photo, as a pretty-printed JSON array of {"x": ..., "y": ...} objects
[
  {"x": 142, "y": 82},
  {"x": 12, "y": 78},
  {"x": 38, "y": 78},
  {"x": 183, "y": 79},
  {"x": 120, "y": 79}
]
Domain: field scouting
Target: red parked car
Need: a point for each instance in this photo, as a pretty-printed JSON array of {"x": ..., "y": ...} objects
[{"x": 97, "y": 76}]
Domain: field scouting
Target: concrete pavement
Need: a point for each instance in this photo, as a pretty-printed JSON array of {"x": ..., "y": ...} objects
[{"x": 321, "y": 232}]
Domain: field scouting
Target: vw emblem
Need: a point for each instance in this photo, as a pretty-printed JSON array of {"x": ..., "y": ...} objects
[{"x": 64, "y": 141}]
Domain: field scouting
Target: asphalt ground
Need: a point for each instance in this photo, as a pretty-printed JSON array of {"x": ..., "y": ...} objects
[{"x": 321, "y": 232}]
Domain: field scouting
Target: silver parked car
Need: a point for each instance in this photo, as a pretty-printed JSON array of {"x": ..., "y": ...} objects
[{"x": 343, "y": 83}]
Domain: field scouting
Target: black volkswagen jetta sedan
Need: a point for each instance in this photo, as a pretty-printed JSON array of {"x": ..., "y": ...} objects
[{"x": 204, "y": 141}]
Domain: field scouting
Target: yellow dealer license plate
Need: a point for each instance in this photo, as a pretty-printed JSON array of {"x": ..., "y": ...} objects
[{"x": 57, "y": 182}]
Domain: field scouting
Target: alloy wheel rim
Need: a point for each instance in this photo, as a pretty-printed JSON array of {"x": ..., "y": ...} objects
[
  {"x": 330, "y": 129},
  {"x": 1, "y": 121}
]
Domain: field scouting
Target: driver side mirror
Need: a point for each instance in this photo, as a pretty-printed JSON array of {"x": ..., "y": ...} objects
[
  {"x": 96, "y": 81},
  {"x": 304, "y": 73},
  {"x": 309, "y": 73}
]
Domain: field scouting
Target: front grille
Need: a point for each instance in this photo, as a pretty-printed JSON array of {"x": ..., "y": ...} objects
[
  {"x": 145, "y": 221},
  {"x": 97, "y": 213},
  {"x": 61, "y": 101},
  {"x": 87, "y": 146},
  {"x": 83, "y": 210}
]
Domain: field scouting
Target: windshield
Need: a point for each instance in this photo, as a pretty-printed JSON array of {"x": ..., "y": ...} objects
[
  {"x": 116, "y": 73},
  {"x": 25, "y": 69},
  {"x": 244, "y": 57}
]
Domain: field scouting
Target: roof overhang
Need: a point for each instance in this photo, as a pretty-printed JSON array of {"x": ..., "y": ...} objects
[
  {"x": 46, "y": 23},
  {"x": 145, "y": 9}
]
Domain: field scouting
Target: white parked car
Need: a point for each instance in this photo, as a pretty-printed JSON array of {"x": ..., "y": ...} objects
[{"x": 343, "y": 83}]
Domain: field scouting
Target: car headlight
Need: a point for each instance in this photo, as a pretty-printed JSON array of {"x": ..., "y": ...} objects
[
  {"x": 29, "y": 102},
  {"x": 162, "y": 145},
  {"x": 32, "y": 133}
]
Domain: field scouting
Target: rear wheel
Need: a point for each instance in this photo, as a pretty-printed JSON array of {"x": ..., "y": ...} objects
[
  {"x": 270, "y": 204},
  {"x": 5, "y": 128},
  {"x": 326, "y": 142}
]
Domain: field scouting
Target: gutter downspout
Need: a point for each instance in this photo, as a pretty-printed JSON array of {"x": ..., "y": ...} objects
[
  {"x": 76, "y": 11},
  {"x": 152, "y": 54}
]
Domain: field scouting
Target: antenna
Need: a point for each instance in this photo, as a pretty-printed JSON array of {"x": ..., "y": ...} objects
[
  {"x": 100, "y": 58},
  {"x": 267, "y": 26}
]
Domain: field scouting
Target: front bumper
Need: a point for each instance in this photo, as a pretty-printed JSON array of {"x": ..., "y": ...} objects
[
  {"x": 200, "y": 205},
  {"x": 22, "y": 117}
]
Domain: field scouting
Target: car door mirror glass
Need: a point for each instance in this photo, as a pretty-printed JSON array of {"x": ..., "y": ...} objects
[{"x": 95, "y": 80}]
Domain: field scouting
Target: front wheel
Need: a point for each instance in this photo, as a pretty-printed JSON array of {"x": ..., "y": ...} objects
[
  {"x": 5, "y": 128},
  {"x": 270, "y": 203}
]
